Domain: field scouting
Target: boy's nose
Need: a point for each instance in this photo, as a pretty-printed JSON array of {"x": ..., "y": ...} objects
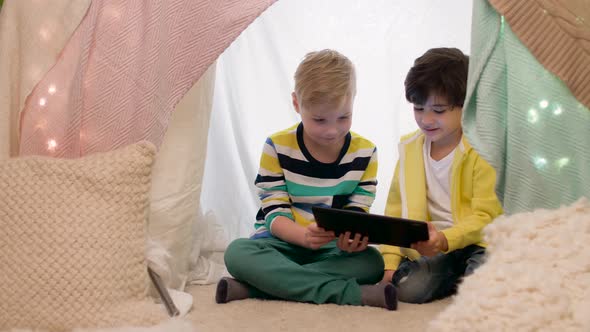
[
  {"x": 331, "y": 132},
  {"x": 427, "y": 118}
]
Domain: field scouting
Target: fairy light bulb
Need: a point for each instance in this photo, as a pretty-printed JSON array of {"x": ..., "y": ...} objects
[
  {"x": 51, "y": 89},
  {"x": 540, "y": 162},
  {"x": 533, "y": 115},
  {"x": 562, "y": 162},
  {"x": 41, "y": 124},
  {"x": 44, "y": 34},
  {"x": 543, "y": 104},
  {"x": 42, "y": 102},
  {"x": 51, "y": 145}
]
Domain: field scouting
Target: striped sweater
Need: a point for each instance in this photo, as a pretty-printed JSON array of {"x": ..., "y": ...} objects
[{"x": 291, "y": 181}]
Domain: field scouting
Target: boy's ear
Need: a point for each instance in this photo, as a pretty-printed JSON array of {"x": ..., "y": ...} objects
[{"x": 295, "y": 101}]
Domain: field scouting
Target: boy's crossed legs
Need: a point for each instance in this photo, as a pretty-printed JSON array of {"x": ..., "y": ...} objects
[
  {"x": 431, "y": 278},
  {"x": 271, "y": 268}
]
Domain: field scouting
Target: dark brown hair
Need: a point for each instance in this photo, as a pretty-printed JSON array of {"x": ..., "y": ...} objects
[{"x": 441, "y": 71}]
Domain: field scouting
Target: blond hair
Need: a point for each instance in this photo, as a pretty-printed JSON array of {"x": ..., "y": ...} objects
[{"x": 324, "y": 77}]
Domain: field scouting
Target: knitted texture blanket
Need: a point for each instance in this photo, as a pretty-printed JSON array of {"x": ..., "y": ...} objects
[
  {"x": 557, "y": 33},
  {"x": 124, "y": 70},
  {"x": 524, "y": 120}
]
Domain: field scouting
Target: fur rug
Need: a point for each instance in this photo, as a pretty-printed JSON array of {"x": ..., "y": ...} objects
[
  {"x": 537, "y": 277},
  {"x": 172, "y": 325},
  {"x": 175, "y": 325}
]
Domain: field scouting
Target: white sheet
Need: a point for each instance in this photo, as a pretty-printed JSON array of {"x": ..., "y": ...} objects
[
  {"x": 175, "y": 219},
  {"x": 254, "y": 82}
]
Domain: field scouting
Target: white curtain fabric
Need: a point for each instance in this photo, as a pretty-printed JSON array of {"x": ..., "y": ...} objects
[
  {"x": 175, "y": 222},
  {"x": 255, "y": 79}
]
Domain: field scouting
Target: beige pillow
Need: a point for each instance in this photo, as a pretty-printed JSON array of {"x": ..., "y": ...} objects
[{"x": 72, "y": 240}]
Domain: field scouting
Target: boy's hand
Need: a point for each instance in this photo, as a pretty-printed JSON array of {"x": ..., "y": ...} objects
[
  {"x": 437, "y": 242},
  {"x": 388, "y": 276},
  {"x": 345, "y": 243},
  {"x": 316, "y": 237}
]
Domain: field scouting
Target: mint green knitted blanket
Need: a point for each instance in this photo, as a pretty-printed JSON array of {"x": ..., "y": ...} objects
[{"x": 523, "y": 120}]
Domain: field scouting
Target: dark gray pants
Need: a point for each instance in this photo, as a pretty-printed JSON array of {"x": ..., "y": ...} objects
[{"x": 432, "y": 278}]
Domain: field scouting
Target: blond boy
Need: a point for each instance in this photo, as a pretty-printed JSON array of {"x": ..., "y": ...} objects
[{"x": 317, "y": 162}]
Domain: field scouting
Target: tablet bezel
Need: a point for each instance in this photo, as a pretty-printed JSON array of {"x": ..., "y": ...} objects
[{"x": 381, "y": 229}]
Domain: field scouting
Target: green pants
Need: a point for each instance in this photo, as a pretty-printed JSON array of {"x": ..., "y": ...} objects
[{"x": 276, "y": 269}]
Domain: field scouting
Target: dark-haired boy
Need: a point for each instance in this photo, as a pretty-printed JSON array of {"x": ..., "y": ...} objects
[{"x": 441, "y": 179}]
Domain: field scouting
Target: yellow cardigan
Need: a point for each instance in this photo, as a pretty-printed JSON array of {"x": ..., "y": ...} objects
[{"x": 473, "y": 198}]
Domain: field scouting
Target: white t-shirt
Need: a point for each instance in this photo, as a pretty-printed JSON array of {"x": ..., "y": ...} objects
[{"x": 438, "y": 184}]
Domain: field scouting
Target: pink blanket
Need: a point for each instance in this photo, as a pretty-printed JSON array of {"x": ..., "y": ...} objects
[{"x": 123, "y": 71}]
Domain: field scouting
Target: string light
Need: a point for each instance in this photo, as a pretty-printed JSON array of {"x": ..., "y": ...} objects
[
  {"x": 52, "y": 89},
  {"x": 533, "y": 115},
  {"x": 51, "y": 145},
  {"x": 42, "y": 102},
  {"x": 44, "y": 33},
  {"x": 560, "y": 163},
  {"x": 540, "y": 162},
  {"x": 41, "y": 124},
  {"x": 557, "y": 110},
  {"x": 543, "y": 104}
]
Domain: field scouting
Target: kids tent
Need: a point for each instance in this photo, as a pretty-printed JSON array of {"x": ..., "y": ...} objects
[{"x": 87, "y": 77}]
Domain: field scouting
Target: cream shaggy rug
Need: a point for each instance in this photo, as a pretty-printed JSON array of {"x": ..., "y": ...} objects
[
  {"x": 258, "y": 315},
  {"x": 537, "y": 277}
]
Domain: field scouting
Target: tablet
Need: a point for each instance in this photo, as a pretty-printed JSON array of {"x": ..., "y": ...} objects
[{"x": 380, "y": 229}]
